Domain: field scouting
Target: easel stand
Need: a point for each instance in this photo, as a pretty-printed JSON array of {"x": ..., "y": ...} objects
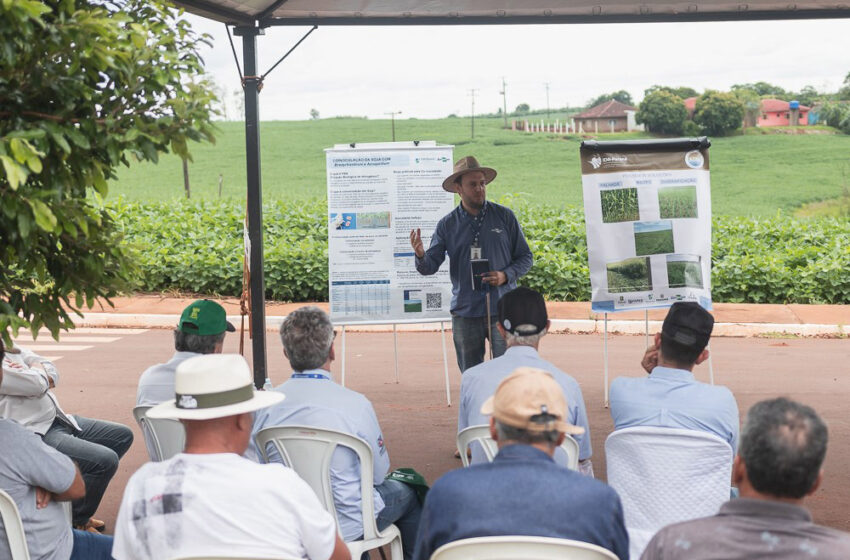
[
  {"x": 395, "y": 348},
  {"x": 646, "y": 341}
]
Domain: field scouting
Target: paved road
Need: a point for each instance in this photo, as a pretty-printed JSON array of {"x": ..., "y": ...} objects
[{"x": 99, "y": 379}]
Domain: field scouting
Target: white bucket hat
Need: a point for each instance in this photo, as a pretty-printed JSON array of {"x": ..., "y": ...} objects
[{"x": 214, "y": 386}]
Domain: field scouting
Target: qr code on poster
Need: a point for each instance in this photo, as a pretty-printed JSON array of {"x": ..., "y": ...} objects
[{"x": 433, "y": 301}]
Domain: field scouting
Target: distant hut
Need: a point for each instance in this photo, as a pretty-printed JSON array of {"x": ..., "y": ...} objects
[{"x": 611, "y": 116}]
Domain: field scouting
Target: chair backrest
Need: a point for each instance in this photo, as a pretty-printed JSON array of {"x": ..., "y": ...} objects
[
  {"x": 14, "y": 528},
  {"x": 309, "y": 451},
  {"x": 481, "y": 434},
  {"x": 164, "y": 437},
  {"x": 666, "y": 475},
  {"x": 521, "y": 548}
]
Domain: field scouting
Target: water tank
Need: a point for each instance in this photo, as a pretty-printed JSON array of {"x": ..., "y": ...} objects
[{"x": 794, "y": 105}]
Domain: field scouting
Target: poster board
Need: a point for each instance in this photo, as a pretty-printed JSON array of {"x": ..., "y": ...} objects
[
  {"x": 377, "y": 193},
  {"x": 647, "y": 207}
]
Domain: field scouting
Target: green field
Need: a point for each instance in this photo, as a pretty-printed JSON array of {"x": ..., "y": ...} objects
[
  {"x": 619, "y": 205},
  {"x": 684, "y": 274},
  {"x": 678, "y": 202},
  {"x": 630, "y": 275},
  {"x": 653, "y": 242},
  {"x": 750, "y": 175}
]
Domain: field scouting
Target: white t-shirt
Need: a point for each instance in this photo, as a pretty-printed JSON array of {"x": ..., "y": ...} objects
[{"x": 217, "y": 504}]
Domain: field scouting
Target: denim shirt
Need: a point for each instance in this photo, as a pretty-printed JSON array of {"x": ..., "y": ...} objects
[
  {"x": 501, "y": 241},
  {"x": 522, "y": 492}
]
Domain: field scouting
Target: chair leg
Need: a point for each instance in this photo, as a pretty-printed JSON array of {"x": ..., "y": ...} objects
[
  {"x": 396, "y": 552},
  {"x": 383, "y": 554}
]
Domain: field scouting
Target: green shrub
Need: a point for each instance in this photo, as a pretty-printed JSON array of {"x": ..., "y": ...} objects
[{"x": 197, "y": 247}]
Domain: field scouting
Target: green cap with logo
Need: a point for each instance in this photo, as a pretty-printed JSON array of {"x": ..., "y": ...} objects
[{"x": 204, "y": 317}]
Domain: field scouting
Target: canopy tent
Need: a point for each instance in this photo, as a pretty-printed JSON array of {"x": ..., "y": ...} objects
[{"x": 250, "y": 17}]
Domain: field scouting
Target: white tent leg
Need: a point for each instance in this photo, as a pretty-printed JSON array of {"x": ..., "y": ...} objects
[
  {"x": 445, "y": 364},
  {"x": 710, "y": 368},
  {"x": 395, "y": 349},
  {"x": 343, "y": 356},
  {"x": 605, "y": 359}
]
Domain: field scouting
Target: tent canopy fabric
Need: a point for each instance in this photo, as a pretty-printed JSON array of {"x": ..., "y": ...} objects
[{"x": 266, "y": 13}]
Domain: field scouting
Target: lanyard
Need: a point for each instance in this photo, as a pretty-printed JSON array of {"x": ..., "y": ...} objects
[
  {"x": 477, "y": 222},
  {"x": 310, "y": 376}
]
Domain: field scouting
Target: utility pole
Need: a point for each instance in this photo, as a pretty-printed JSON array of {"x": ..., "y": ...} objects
[
  {"x": 472, "y": 93},
  {"x": 504, "y": 102},
  {"x": 547, "y": 99},
  {"x": 392, "y": 115}
]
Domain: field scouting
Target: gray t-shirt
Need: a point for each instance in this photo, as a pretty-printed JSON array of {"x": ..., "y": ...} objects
[{"x": 34, "y": 463}]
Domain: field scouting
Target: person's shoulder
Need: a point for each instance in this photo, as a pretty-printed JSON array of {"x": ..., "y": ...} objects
[
  {"x": 718, "y": 391},
  {"x": 456, "y": 481},
  {"x": 624, "y": 383}
]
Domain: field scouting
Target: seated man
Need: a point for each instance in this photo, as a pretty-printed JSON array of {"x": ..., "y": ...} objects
[
  {"x": 523, "y": 491},
  {"x": 209, "y": 501},
  {"x": 313, "y": 399},
  {"x": 783, "y": 445},
  {"x": 201, "y": 330},
  {"x": 38, "y": 477},
  {"x": 523, "y": 321},
  {"x": 95, "y": 445},
  {"x": 670, "y": 397}
]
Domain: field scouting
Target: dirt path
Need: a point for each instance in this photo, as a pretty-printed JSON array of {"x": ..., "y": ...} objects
[{"x": 100, "y": 381}]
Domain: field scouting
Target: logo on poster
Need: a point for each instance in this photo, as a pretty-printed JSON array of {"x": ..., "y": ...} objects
[
  {"x": 694, "y": 159},
  {"x": 596, "y": 162}
]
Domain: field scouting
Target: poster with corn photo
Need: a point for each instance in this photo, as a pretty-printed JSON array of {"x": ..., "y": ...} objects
[{"x": 647, "y": 206}]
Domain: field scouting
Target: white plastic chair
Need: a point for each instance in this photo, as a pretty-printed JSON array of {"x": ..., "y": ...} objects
[
  {"x": 14, "y": 527},
  {"x": 232, "y": 558},
  {"x": 308, "y": 451},
  {"x": 666, "y": 475},
  {"x": 481, "y": 434},
  {"x": 164, "y": 437},
  {"x": 521, "y": 548}
]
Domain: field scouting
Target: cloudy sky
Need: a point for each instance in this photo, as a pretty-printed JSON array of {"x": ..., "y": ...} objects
[{"x": 428, "y": 72}]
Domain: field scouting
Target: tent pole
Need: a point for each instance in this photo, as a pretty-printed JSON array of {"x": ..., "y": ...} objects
[{"x": 251, "y": 87}]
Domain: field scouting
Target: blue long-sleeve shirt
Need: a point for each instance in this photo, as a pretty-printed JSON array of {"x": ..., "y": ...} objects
[{"x": 502, "y": 243}]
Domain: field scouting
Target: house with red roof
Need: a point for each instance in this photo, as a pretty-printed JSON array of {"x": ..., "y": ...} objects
[
  {"x": 611, "y": 116},
  {"x": 775, "y": 112}
]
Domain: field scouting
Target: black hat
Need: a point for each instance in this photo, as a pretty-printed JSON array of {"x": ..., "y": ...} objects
[
  {"x": 525, "y": 309},
  {"x": 688, "y": 324}
]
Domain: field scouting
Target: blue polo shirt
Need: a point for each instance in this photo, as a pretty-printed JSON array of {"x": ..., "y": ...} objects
[
  {"x": 672, "y": 398},
  {"x": 479, "y": 383},
  {"x": 501, "y": 241},
  {"x": 522, "y": 492}
]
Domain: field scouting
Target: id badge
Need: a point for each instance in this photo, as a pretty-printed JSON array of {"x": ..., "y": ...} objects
[{"x": 474, "y": 253}]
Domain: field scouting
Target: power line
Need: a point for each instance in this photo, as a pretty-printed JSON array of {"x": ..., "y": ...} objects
[
  {"x": 392, "y": 115},
  {"x": 504, "y": 102}
]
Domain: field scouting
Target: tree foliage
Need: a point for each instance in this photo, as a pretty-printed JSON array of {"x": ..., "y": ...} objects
[
  {"x": 682, "y": 91},
  {"x": 662, "y": 112},
  {"x": 763, "y": 89},
  {"x": 522, "y": 109},
  {"x": 85, "y": 86},
  {"x": 622, "y": 96},
  {"x": 718, "y": 113}
]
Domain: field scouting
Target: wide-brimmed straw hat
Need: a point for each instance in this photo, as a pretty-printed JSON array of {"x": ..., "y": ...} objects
[
  {"x": 465, "y": 165},
  {"x": 531, "y": 399},
  {"x": 214, "y": 386}
]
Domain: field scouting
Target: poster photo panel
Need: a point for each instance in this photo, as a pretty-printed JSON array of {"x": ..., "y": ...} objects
[
  {"x": 647, "y": 210},
  {"x": 378, "y": 193}
]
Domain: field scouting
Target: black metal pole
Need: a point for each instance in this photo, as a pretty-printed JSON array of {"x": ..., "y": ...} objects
[{"x": 255, "y": 199}]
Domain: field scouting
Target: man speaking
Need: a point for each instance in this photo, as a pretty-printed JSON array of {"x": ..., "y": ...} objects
[{"x": 487, "y": 254}]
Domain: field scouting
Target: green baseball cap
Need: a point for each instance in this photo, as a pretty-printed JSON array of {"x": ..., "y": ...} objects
[{"x": 204, "y": 317}]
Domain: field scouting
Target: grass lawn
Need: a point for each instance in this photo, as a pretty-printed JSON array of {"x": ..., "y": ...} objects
[{"x": 750, "y": 175}]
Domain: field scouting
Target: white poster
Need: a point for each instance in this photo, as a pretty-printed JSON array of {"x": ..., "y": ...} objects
[
  {"x": 647, "y": 210},
  {"x": 377, "y": 193}
]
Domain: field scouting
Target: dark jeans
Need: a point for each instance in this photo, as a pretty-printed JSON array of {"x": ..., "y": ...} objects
[
  {"x": 401, "y": 506},
  {"x": 469, "y": 334},
  {"x": 96, "y": 450},
  {"x": 91, "y": 546}
]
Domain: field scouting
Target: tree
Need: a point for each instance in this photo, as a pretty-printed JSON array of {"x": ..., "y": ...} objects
[
  {"x": 807, "y": 96},
  {"x": 763, "y": 89},
  {"x": 751, "y": 102},
  {"x": 682, "y": 91},
  {"x": 844, "y": 92},
  {"x": 522, "y": 109},
  {"x": 314, "y": 114},
  {"x": 85, "y": 87},
  {"x": 718, "y": 113},
  {"x": 662, "y": 112},
  {"x": 622, "y": 96}
]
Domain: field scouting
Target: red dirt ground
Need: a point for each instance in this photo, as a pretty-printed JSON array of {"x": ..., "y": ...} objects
[{"x": 420, "y": 429}]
